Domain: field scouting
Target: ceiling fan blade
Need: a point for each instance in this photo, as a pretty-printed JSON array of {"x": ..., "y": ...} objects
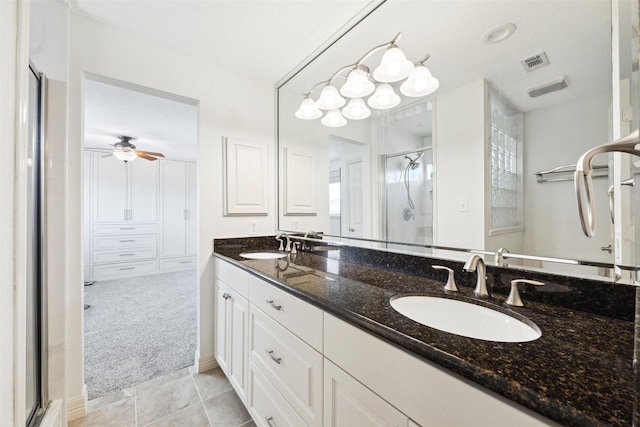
[
  {"x": 151, "y": 153},
  {"x": 144, "y": 156}
]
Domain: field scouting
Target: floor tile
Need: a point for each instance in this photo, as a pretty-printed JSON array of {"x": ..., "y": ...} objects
[
  {"x": 154, "y": 383},
  {"x": 226, "y": 410},
  {"x": 165, "y": 399},
  {"x": 192, "y": 416},
  {"x": 211, "y": 383},
  {"x": 110, "y": 398},
  {"x": 119, "y": 414}
]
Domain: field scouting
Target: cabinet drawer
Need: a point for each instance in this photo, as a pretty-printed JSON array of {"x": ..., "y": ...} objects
[
  {"x": 266, "y": 406},
  {"x": 124, "y": 241},
  {"x": 234, "y": 277},
  {"x": 292, "y": 366},
  {"x": 130, "y": 269},
  {"x": 124, "y": 229},
  {"x": 176, "y": 264},
  {"x": 119, "y": 256},
  {"x": 299, "y": 317}
]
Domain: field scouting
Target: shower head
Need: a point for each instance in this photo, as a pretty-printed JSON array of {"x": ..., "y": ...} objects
[{"x": 413, "y": 163}]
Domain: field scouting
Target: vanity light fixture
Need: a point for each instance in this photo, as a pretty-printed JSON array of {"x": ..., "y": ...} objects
[{"x": 360, "y": 83}]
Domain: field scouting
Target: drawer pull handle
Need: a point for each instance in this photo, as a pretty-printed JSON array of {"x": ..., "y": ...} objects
[
  {"x": 277, "y": 307},
  {"x": 226, "y": 295},
  {"x": 127, "y": 228},
  {"x": 275, "y": 359},
  {"x": 128, "y": 268},
  {"x": 127, "y": 241},
  {"x": 127, "y": 254},
  {"x": 268, "y": 420},
  {"x": 185, "y": 262}
]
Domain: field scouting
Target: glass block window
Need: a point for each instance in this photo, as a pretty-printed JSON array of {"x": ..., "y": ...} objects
[{"x": 506, "y": 167}]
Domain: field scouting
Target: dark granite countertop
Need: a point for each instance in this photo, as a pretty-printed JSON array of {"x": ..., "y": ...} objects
[{"x": 578, "y": 373}]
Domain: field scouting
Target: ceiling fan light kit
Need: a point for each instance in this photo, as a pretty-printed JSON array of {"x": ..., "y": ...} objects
[
  {"x": 359, "y": 82},
  {"x": 127, "y": 152}
]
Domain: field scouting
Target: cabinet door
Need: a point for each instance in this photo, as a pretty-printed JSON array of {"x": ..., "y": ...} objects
[
  {"x": 143, "y": 191},
  {"x": 221, "y": 338},
  {"x": 109, "y": 188},
  {"x": 192, "y": 209},
  {"x": 173, "y": 234},
  {"x": 348, "y": 403},
  {"x": 238, "y": 308}
]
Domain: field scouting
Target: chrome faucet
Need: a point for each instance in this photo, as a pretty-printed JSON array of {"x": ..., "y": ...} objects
[
  {"x": 477, "y": 263},
  {"x": 279, "y": 239}
]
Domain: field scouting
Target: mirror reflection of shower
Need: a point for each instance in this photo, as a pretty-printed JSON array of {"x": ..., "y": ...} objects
[{"x": 409, "y": 196}]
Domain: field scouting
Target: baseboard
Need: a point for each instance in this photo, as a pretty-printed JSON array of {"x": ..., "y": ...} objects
[
  {"x": 77, "y": 406},
  {"x": 205, "y": 363},
  {"x": 53, "y": 416}
]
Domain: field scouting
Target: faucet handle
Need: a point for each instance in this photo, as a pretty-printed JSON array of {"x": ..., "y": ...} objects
[
  {"x": 295, "y": 245},
  {"x": 451, "y": 281},
  {"x": 279, "y": 239},
  {"x": 514, "y": 296}
]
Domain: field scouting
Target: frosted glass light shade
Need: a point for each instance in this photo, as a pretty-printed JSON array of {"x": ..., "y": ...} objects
[
  {"x": 393, "y": 67},
  {"x": 125, "y": 156},
  {"x": 383, "y": 98},
  {"x": 334, "y": 119},
  {"x": 308, "y": 110},
  {"x": 357, "y": 85},
  {"x": 356, "y": 109},
  {"x": 330, "y": 99},
  {"x": 419, "y": 83}
]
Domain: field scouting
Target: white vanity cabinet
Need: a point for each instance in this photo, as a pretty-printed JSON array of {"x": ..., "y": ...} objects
[
  {"x": 232, "y": 314},
  {"x": 281, "y": 331}
]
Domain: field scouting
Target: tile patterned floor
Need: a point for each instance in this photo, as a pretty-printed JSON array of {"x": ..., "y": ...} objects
[{"x": 180, "y": 399}]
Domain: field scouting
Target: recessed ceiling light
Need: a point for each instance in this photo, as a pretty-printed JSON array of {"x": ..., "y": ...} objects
[{"x": 499, "y": 33}]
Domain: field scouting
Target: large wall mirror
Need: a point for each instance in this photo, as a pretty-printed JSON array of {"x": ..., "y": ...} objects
[{"x": 524, "y": 87}]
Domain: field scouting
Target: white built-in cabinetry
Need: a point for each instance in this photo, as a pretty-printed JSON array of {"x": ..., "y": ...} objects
[
  {"x": 125, "y": 209},
  {"x": 294, "y": 365}
]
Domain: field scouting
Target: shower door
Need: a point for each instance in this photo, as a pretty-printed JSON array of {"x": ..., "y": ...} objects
[{"x": 409, "y": 197}]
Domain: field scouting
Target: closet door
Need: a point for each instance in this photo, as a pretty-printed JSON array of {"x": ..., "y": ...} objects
[
  {"x": 173, "y": 181},
  {"x": 109, "y": 188},
  {"x": 143, "y": 193},
  {"x": 192, "y": 208}
]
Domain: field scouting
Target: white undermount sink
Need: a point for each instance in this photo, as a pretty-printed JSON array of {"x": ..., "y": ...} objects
[
  {"x": 263, "y": 255},
  {"x": 469, "y": 320}
]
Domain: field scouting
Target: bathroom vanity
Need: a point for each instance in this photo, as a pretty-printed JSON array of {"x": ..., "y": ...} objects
[{"x": 311, "y": 339}]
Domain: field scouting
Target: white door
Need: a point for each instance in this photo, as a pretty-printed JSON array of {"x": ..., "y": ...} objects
[
  {"x": 237, "y": 344},
  {"x": 353, "y": 204},
  {"x": 109, "y": 188},
  {"x": 143, "y": 191},
  {"x": 220, "y": 339},
  {"x": 192, "y": 209},
  {"x": 348, "y": 403},
  {"x": 173, "y": 183}
]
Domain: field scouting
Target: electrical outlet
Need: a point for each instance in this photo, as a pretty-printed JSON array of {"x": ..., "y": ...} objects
[
  {"x": 295, "y": 225},
  {"x": 253, "y": 227}
]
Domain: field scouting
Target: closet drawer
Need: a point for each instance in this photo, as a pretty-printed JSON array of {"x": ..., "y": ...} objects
[
  {"x": 299, "y": 317},
  {"x": 125, "y": 228},
  {"x": 119, "y": 256},
  {"x": 234, "y": 277},
  {"x": 267, "y": 407},
  {"x": 176, "y": 264},
  {"x": 292, "y": 366},
  {"x": 125, "y": 241},
  {"x": 130, "y": 269}
]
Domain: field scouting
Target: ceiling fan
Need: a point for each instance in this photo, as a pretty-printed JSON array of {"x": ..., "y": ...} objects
[{"x": 126, "y": 151}]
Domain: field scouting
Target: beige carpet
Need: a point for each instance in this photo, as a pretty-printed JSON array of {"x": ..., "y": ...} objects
[{"x": 137, "y": 329}]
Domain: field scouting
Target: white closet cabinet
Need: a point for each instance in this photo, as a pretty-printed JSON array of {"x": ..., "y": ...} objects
[
  {"x": 178, "y": 222},
  {"x": 123, "y": 192}
]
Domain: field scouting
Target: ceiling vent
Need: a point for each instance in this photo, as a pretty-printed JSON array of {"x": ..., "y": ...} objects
[
  {"x": 552, "y": 86},
  {"x": 534, "y": 62}
]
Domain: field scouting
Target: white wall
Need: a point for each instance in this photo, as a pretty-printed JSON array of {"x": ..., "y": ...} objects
[
  {"x": 553, "y": 137},
  {"x": 229, "y": 105},
  {"x": 460, "y": 156}
]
